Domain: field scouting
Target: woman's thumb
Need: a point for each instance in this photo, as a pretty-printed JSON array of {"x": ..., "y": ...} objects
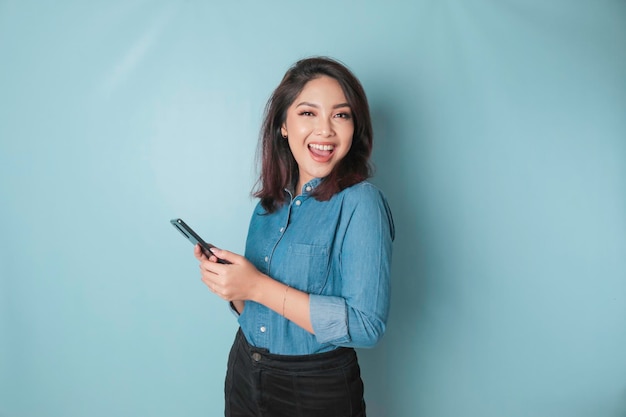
[{"x": 221, "y": 255}]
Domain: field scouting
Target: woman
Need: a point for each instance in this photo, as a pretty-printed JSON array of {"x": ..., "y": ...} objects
[{"x": 314, "y": 282}]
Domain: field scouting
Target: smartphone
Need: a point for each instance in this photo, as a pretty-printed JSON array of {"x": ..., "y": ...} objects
[{"x": 194, "y": 238}]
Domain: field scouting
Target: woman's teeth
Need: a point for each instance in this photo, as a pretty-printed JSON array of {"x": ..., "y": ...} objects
[{"x": 322, "y": 147}]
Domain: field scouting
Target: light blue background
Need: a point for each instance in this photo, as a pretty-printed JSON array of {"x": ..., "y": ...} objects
[{"x": 500, "y": 143}]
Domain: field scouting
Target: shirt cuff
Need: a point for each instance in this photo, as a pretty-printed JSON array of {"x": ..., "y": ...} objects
[{"x": 329, "y": 318}]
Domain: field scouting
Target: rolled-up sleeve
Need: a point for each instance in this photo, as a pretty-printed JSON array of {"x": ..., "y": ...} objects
[
  {"x": 358, "y": 317},
  {"x": 329, "y": 316}
]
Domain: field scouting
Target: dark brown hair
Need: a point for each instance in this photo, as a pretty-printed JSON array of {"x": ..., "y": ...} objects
[{"x": 279, "y": 169}]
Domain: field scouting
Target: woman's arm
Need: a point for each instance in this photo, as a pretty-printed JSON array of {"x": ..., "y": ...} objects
[
  {"x": 357, "y": 316},
  {"x": 242, "y": 281}
]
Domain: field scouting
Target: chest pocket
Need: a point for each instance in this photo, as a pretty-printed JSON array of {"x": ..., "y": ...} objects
[{"x": 308, "y": 266}]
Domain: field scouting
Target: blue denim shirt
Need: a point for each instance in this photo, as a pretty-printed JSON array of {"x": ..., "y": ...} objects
[{"x": 338, "y": 251}]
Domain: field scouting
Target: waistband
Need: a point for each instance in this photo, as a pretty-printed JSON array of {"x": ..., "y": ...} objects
[{"x": 336, "y": 358}]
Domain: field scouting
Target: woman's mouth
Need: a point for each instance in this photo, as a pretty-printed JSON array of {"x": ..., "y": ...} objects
[{"x": 321, "y": 153}]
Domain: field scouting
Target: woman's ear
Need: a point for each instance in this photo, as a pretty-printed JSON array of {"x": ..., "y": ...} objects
[{"x": 283, "y": 131}]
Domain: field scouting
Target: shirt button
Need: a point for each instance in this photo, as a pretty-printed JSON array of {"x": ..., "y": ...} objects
[
  {"x": 298, "y": 202},
  {"x": 308, "y": 188},
  {"x": 262, "y": 329},
  {"x": 256, "y": 356},
  {"x": 267, "y": 259},
  {"x": 282, "y": 229}
]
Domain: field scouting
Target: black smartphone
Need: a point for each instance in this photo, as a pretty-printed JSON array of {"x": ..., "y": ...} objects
[{"x": 194, "y": 238}]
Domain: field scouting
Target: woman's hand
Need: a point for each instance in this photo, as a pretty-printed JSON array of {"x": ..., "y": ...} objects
[{"x": 239, "y": 280}]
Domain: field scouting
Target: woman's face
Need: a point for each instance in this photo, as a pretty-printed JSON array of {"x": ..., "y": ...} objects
[{"x": 319, "y": 128}]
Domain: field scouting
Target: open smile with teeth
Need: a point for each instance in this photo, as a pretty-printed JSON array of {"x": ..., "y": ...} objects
[
  {"x": 322, "y": 147},
  {"x": 321, "y": 153}
]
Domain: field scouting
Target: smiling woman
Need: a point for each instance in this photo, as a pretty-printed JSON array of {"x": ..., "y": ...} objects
[{"x": 314, "y": 281}]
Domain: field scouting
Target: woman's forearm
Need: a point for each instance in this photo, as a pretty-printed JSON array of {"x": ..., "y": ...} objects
[{"x": 289, "y": 302}]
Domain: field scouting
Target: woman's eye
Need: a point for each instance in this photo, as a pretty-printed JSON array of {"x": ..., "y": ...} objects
[
  {"x": 344, "y": 115},
  {"x": 306, "y": 113}
]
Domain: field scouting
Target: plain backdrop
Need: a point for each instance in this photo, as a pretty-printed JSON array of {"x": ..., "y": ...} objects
[{"x": 500, "y": 142}]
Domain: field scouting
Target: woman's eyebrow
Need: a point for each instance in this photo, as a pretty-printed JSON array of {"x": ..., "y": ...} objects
[{"x": 336, "y": 106}]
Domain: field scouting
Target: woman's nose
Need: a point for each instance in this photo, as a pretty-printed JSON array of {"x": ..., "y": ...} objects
[{"x": 325, "y": 128}]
